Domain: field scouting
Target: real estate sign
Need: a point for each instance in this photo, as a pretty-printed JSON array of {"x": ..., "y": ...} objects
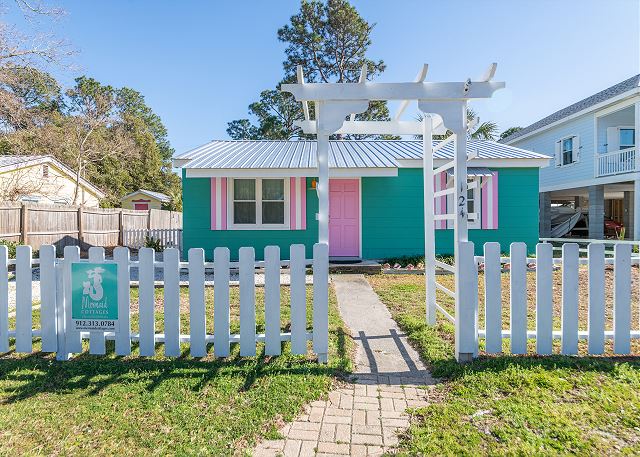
[{"x": 94, "y": 296}]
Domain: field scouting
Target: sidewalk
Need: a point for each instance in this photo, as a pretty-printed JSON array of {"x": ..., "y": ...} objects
[{"x": 365, "y": 416}]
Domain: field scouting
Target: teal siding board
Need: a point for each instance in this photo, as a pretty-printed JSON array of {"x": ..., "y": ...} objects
[
  {"x": 392, "y": 218},
  {"x": 393, "y": 221},
  {"x": 197, "y": 233}
]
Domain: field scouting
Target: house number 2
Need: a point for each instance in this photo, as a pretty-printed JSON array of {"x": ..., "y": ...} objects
[{"x": 462, "y": 201}]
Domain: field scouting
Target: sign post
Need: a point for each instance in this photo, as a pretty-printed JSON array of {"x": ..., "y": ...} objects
[{"x": 94, "y": 296}]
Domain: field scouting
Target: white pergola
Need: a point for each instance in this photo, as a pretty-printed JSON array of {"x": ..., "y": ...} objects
[{"x": 444, "y": 106}]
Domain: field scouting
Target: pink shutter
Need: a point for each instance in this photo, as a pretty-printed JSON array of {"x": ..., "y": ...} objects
[
  {"x": 489, "y": 199},
  {"x": 298, "y": 203},
  {"x": 440, "y": 203},
  {"x": 218, "y": 203}
]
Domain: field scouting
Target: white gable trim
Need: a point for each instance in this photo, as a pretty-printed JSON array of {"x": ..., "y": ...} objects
[
  {"x": 490, "y": 163},
  {"x": 286, "y": 172}
]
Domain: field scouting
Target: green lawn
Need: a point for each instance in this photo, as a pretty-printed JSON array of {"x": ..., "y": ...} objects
[
  {"x": 105, "y": 405},
  {"x": 514, "y": 405}
]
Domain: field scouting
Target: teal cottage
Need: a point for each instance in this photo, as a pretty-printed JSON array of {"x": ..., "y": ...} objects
[{"x": 261, "y": 193}]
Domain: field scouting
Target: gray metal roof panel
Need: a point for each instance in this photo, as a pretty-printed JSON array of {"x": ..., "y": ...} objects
[
  {"x": 610, "y": 92},
  {"x": 342, "y": 154}
]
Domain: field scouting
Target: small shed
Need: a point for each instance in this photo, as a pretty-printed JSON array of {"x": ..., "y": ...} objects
[{"x": 143, "y": 199}]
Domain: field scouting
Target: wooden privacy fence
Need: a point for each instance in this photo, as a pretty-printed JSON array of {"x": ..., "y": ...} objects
[
  {"x": 168, "y": 238},
  {"x": 58, "y": 334},
  {"x": 39, "y": 224},
  {"x": 544, "y": 334}
]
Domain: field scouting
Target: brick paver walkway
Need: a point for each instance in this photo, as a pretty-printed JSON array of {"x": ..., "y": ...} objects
[{"x": 364, "y": 416}]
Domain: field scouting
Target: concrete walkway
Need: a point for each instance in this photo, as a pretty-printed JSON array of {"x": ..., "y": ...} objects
[{"x": 365, "y": 416}]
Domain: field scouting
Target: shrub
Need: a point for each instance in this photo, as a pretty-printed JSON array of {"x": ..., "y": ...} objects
[
  {"x": 11, "y": 248},
  {"x": 154, "y": 243}
]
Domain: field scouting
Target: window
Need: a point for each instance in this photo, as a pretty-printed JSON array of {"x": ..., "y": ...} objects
[
  {"x": 473, "y": 203},
  {"x": 45, "y": 171},
  {"x": 567, "y": 151},
  {"x": 627, "y": 138},
  {"x": 259, "y": 203}
]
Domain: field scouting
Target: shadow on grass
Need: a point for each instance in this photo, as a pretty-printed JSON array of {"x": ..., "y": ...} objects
[
  {"x": 39, "y": 373},
  {"x": 436, "y": 349}
]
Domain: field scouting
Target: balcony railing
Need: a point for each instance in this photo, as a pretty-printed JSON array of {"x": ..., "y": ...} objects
[{"x": 616, "y": 162}]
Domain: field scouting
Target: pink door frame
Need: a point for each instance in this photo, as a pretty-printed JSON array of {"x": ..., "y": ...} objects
[{"x": 344, "y": 218}]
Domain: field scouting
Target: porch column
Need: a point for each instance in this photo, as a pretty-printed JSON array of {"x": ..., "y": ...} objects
[
  {"x": 545, "y": 214},
  {"x": 596, "y": 212},
  {"x": 628, "y": 212},
  {"x": 636, "y": 209},
  {"x": 577, "y": 202}
]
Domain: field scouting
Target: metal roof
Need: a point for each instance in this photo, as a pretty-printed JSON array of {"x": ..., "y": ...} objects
[
  {"x": 613, "y": 91},
  {"x": 342, "y": 154},
  {"x": 9, "y": 160},
  {"x": 157, "y": 195}
]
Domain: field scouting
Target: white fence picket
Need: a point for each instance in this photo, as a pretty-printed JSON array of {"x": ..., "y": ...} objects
[
  {"x": 4, "y": 299},
  {"x": 544, "y": 298},
  {"x": 123, "y": 334},
  {"x": 221, "y": 302},
  {"x": 62, "y": 353},
  {"x": 172, "y": 302},
  {"x": 622, "y": 299},
  {"x": 247, "y": 302},
  {"x": 298, "y": 300},
  {"x": 596, "y": 256},
  {"x": 493, "y": 297},
  {"x": 197, "y": 322},
  {"x": 146, "y": 291},
  {"x": 466, "y": 326},
  {"x": 73, "y": 340},
  {"x": 24, "y": 300},
  {"x": 48, "y": 298},
  {"x": 96, "y": 337},
  {"x": 273, "y": 344},
  {"x": 570, "y": 259},
  {"x": 518, "y": 298}
]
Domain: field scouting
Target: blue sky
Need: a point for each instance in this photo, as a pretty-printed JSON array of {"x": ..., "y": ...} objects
[{"x": 200, "y": 63}]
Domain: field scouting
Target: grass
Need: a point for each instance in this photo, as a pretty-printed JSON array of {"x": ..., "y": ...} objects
[
  {"x": 515, "y": 405},
  {"x": 105, "y": 405}
]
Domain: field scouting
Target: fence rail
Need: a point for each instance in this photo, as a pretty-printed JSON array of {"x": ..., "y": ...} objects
[
  {"x": 39, "y": 224},
  {"x": 544, "y": 334},
  {"x": 57, "y": 333}
]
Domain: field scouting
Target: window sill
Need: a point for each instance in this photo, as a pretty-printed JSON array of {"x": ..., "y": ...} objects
[{"x": 257, "y": 227}]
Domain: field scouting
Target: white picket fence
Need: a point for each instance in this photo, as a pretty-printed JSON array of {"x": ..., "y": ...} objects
[
  {"x": 169, "y": 238},
  {"x": 518, "y": 331},
  {"x": 57, "y": 334}
]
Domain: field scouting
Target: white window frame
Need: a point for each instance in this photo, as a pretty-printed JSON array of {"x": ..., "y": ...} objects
[
  {"x": 477, "y": 204},
  {"x": 626, "y": 127},
  {"x": 258, "y": 225}
]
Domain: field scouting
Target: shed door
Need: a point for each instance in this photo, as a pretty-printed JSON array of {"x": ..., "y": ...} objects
[
  {"x": 141, "y": 206},
  {"x": 344, "y": 218}
]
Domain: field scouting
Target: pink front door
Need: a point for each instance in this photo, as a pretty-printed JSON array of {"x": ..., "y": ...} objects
[{"x": 344, "y": 218}]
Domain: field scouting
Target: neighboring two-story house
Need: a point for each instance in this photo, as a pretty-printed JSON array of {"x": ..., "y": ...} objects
[{"x": 596, "y": 164}]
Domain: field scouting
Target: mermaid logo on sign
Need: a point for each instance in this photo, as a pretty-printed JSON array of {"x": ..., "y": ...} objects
[
  {"x": 94, "y": 296},
  {"x": 94, "y": 290}
]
